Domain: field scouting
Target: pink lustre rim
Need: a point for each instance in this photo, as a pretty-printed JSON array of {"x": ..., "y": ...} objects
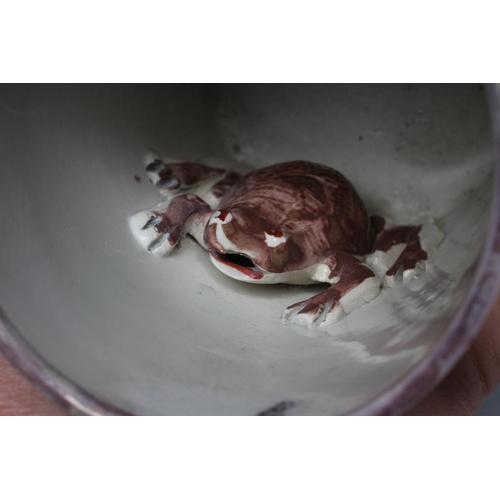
[
  {"x": 67, "y": 394},
  {"x": 398, "y": 398}
]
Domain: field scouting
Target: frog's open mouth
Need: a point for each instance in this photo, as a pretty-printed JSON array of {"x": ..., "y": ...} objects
[
  {"x": 237, "y": 259},
  {"x": 238, "y": 262}
]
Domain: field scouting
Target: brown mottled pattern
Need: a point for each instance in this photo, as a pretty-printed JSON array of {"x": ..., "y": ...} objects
[
  {"x": 315, "y": 207},
  {"x": 219, "y": 189},
  {"x": 179, "y": 211}
]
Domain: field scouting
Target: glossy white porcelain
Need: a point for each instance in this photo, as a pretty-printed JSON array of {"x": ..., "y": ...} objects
[{"x": 120, "y": 327}]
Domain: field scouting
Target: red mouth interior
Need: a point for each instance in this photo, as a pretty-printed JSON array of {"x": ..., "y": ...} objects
[
  {"x": 239, "y": 262},
  {"x": 237, "y": 259}
]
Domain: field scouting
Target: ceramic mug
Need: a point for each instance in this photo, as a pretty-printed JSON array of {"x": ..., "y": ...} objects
[{"x": 105, "y": 328}]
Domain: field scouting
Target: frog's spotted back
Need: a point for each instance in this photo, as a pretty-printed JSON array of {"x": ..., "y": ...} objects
[{"x": 309, "y": 199}]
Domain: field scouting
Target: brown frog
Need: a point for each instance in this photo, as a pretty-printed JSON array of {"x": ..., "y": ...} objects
[{"x": 296, "y": 222}]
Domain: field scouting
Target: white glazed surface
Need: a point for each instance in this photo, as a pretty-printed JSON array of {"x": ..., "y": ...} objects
[{"x": 174, "y": 335}]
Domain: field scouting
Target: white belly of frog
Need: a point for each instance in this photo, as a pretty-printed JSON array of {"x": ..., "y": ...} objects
[{"x": 296, "y": 222}]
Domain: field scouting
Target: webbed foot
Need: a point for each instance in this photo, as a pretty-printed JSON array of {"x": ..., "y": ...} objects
[
  {"x": 327, "y": 307},
  {"x": 160, "y": 229},
  {"x": 355, "y": 284},
  {"x": 321, "y": 309},
  {"x": 147, "y": 227},
  {"x": 398, "y": 251}
]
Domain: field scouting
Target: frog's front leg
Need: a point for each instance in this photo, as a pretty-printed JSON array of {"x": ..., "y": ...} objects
[
  {"x": 353, "y": 284},
  {"x": 160, "y": 229}
]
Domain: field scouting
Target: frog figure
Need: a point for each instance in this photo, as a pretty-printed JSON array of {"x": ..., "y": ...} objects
[{"x": 296, "y": 222}]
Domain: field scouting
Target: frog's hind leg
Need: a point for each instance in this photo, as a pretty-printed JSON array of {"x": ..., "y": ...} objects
[
  {"x": 396, "y": 249},
  {"x": 353, "y": 284},
  {"x": 160, "y": 228},
  {"x": 221, "y": 187},
  {"x": 174, "y": 176}
]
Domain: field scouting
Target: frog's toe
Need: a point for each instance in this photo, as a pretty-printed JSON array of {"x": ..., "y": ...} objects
[
  {"x": 154, "y": 166},
  {"x": 143, "y": 226},
  {"x": 312, "y": 314},
  {"x": 160, "y": 176},
  {"x": 169, "y": 183},
  {"x": 291, "y": 312},
  {"x": 332, "y": 315},
  {"x": 152, "y": 222},
  {"x": 415, "y": 272},
  {"x": 406, "y": 270},
  {"x": 161, "y": 244}
]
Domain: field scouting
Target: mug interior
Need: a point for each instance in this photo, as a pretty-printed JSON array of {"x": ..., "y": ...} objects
[{"x": 174, "y": 335}]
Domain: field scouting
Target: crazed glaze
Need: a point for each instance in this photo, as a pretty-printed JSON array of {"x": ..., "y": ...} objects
[{"x": 297, "y": 222}]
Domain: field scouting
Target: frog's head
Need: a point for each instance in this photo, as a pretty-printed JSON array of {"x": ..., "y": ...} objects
[{"x": 247, "y": 247}]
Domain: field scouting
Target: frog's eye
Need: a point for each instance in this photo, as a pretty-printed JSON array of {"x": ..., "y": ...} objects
[
  {"x": 275, "y": 232},
  {"x": 274, "y": 237},
  {"x": 222, "y": 216}
]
